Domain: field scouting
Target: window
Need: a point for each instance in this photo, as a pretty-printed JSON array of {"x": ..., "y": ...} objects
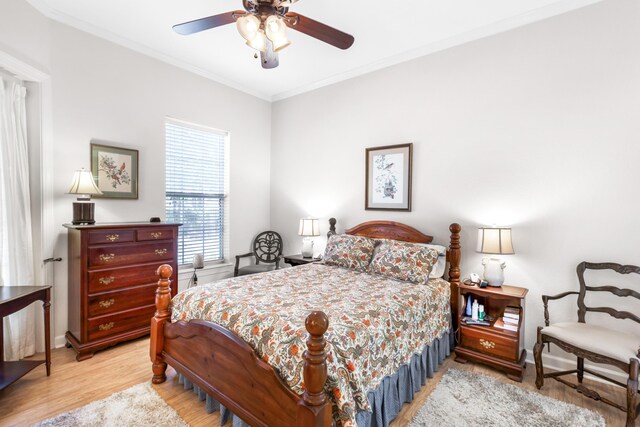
[{"x": 195, "y": 188}]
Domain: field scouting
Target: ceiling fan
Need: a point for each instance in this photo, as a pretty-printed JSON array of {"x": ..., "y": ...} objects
[{"x": 262, "y": 24}]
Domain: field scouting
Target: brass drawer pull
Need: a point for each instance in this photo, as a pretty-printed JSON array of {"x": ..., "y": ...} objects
[
  {"x": 113, "y": 237},
  {"x": 107, "y": 257},
  {"x": 160, "y": 252},
  {"x": 106, "y": 280},
  {"x": 106, "y": 326},
  {"x": 107, "y": 303},
  {"x": 487, "y": 344},
  {"x": 156, "y": 235}
]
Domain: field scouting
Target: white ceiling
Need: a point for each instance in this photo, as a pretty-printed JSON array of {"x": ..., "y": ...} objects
[{"x": 385, "y": 33}]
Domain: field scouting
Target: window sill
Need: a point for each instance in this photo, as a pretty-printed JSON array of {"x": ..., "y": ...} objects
[{"x": 186, "y": 270}]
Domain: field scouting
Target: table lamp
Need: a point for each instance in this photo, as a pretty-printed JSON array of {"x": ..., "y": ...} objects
[
  {"x": 495, "y": 241},
  {"x": 309, "y": 227},
  {"x": 84, "y": 186}
]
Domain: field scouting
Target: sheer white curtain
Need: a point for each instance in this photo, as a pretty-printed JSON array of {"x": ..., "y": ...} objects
[{"x": 16, "y": 255}]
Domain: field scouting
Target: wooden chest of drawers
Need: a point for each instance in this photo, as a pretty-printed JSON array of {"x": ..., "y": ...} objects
[{"x": 112, "y": 281}]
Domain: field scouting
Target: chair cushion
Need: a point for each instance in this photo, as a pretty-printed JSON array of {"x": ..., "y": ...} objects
[
  {"x": 253, "y": 269},
  {"x": 596, "y": 339}
]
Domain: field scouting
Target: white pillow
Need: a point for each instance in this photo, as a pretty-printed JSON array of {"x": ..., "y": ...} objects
[{"x": 441, "y": 265}]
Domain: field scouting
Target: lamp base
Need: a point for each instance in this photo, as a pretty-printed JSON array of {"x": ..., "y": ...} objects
[
  {"x": 83, "y": 213},
  {"x": 494, "y": 271},
  {"x": 307, "y": 248}
]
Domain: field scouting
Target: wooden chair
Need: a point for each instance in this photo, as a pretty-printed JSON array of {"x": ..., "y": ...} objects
[
  {"x": 593, "y": 342},
  {"x": 267, "y": 249}
]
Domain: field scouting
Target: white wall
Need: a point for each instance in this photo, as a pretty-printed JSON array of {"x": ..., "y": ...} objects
[
  {"x": 537, "y": 128},
  {"x": 107, "y": 92}
]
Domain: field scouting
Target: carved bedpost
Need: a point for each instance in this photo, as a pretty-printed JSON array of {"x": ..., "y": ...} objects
[
  {"x": 332, "y": 227},
  {"x": 454, "y": 270},
  {"x": 314, "y": 408},
  {"x": 162, "y": 316}
]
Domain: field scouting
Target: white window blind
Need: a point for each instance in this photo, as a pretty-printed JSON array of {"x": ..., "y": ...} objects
[{"x": 195, "y": 189}]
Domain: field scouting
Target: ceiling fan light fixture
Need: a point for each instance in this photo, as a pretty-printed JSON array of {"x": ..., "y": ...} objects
[
  {"x": 248, "y": 26},
  {"x": 280, "y": 43},
  {"x": 275, "y": 28},
  {"x": 258, "y": 42}
]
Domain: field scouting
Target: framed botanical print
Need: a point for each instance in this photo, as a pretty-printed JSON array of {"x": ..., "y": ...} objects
[
  {"x": 388, "y": 178},
  {"x": 115, "y": 171}
]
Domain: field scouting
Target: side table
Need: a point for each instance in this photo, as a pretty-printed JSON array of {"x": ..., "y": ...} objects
[
  {"x": 296, "y": 260},
  {"x": 12, "y": 299}
]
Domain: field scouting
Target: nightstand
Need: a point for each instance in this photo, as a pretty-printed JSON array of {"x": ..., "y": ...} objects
[
  {"x": 491, "y": 345},
  {"x": 296, "y": 260}
]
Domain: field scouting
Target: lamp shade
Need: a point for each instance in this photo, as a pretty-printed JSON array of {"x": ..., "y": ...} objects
[
  {"x": 259, "y": 42},
  {"x": 276, "y": 31},
  {"x": 495, "y": 240},
  {"x": 83, "y": 183},
  {"x": 248, "y": 26},
  {"x": 309, "y": 227}
]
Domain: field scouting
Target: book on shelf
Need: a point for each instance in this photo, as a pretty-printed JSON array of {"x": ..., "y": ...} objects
[
  {"x": 511, "y": 321},
  {"x": 499, "y": 323},
  {"x": 512, "y": 312}
]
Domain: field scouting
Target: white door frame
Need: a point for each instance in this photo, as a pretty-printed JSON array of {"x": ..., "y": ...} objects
[{"x": 32, "y": 74}]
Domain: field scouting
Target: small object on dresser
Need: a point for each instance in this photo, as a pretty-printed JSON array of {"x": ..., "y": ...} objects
[
  {"x": 470, "y": 321},
  {"x": 474, "y": 310},
  {"x": 468, "y": 308},
  {"x": 483, "y": 284},
  {"x": 480, "y": 311},
  {"x": 154, "y": 219}
]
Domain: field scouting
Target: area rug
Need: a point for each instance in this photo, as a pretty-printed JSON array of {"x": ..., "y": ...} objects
[
  {"x": 139, "y": 405},
  {"x": 463, "y": 398}
]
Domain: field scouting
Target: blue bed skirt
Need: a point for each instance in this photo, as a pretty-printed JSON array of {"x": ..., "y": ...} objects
[{"x": 386, "y": 401}]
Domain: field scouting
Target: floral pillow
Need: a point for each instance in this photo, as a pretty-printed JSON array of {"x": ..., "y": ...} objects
[
  {"x": 347, "y": 251},
  {"x": 404, "y": 261}
]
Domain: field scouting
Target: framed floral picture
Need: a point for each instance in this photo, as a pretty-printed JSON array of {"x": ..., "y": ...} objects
[
  {"x": 115, "y": 171},
  {"x": 388, "y": 178}
]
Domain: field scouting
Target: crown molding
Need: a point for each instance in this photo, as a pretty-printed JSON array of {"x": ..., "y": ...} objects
[
  {"x": 501, "y": 26},
  {"x": 81, "y": 25}
]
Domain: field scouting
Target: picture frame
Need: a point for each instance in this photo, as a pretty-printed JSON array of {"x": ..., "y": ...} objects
[
  {"x": 115, "y": 170},
  {"x": 388, "y": 177}
]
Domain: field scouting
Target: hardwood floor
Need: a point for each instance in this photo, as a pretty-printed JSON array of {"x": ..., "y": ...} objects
[{"x": 73, "y": 384}]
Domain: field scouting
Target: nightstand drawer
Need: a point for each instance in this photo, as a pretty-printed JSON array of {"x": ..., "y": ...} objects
[
  {"x": 99, "y": 237},
  {"x": 106, "y": 256},
  {"x": 117, "y": 323},
  {"x": 488, "y": 343},
  {"x": 111, "y": 302}
]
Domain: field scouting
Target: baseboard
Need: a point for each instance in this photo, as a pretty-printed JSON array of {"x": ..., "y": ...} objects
[
  {"x": 557, "y": 363},
  {"x": 59, "y": 341}
]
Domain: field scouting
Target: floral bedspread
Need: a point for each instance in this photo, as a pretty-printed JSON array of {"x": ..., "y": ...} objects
[{"x": 375, "y": 323}]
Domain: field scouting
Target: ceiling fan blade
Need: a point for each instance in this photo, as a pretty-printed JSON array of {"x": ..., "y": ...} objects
[
  {"x": 319, "y": 30},
  {"x": 207, "y": 23}
]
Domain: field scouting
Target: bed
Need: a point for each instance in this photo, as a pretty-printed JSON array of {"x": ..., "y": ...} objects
[{"x": 251, "y": 358}]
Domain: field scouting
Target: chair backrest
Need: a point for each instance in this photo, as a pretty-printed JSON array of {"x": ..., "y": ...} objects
[
  {"x": 267, "y": 247},
  {"x": 621, "y": 292}
]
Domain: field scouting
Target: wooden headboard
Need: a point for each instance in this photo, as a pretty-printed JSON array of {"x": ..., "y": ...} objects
[{"x": 406, "y": 233}]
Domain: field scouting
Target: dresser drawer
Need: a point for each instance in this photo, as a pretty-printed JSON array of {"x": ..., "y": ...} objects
[
  {"x": 107, "y": 256},
  {"x": 99, "y": 237},
  {"x": 154, "y": 234},
  {"x": 110, "y": 302},
  {"x": 123, "y": 277},
  {"x": 116, "y": 323},
  {"x": 499, "y": 345}
]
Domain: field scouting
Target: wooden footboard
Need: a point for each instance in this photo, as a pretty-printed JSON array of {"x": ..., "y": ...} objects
[{"x": 228, "y": 369}]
